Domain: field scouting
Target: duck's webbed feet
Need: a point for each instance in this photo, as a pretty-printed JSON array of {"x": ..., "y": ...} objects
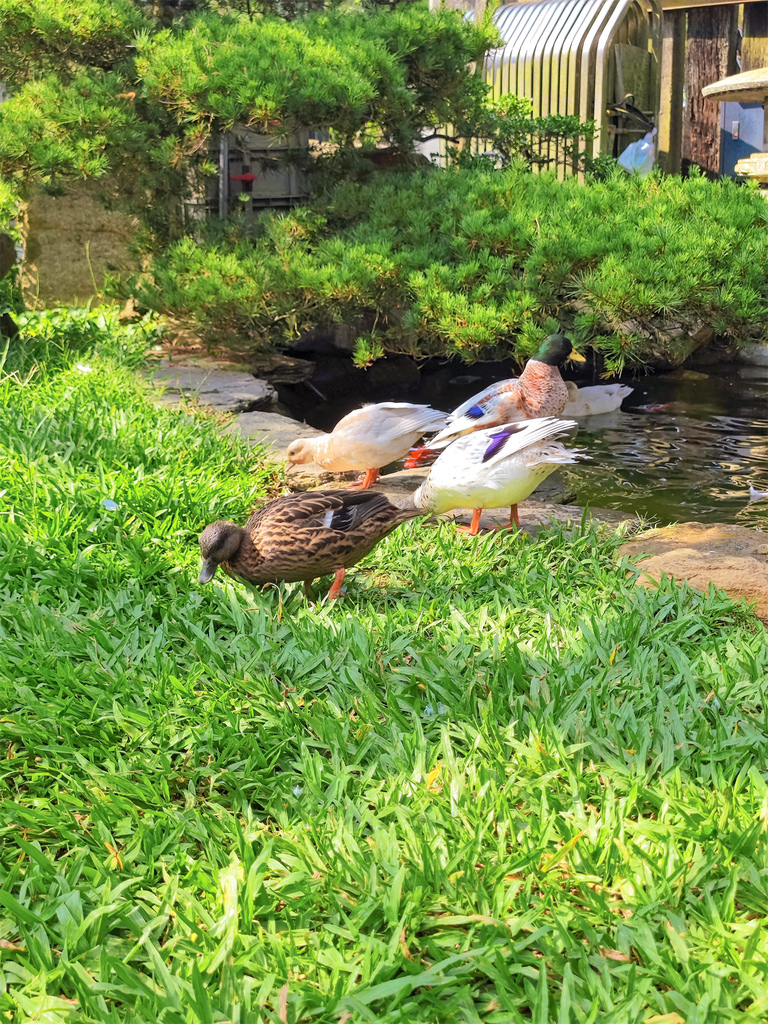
[
  {"x": 370, "y": 478},
  {"x": 474, "y": 527},
  {"x": 335, "y": 590}
]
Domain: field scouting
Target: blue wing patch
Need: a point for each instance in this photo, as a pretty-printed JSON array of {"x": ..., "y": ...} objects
[
  {"x": 476, "y": 412},
  {"x": 498, "y": 440}
]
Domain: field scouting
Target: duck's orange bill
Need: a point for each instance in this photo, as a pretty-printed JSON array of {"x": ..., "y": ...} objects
[{"x": 420, "y": 457}]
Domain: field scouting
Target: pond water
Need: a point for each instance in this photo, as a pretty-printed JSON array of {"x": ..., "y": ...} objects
[
  {"x": 685, "y": 446},
  {"x": 682, "y": 449}
]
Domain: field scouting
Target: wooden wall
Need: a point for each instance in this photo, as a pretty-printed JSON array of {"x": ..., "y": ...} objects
[{"x": 701, "y": 45}]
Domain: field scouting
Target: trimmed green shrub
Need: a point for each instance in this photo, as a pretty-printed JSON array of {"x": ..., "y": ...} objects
[
  {"x": 477, "y": 263},
  {"x": 9, "y": 290},
  {"x": 40, "y": 37}
]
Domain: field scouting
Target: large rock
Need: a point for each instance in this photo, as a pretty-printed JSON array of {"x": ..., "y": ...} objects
[
  {"x": 326, "y": 339},
  {"x": 754, "y": 353},
  {"x": 310, "y": 477},
  {"x": 535, "y": 515},
  {"x": 397, "y": 372},
  {"x": 220, "y": 390},
  {"x": 668, "y": 344},
  {"x": 734, "y": 558},
  {"x": 398, "y": 485},
  {"x": 276, "y": 368}
]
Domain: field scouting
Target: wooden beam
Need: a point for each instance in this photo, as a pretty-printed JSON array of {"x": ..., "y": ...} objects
[
  {"x": 711, "y": 55},
  {"x": 672, "y": 83},
  {"x": 686, "y": 5},
  {"x": 754, "y": 45}
]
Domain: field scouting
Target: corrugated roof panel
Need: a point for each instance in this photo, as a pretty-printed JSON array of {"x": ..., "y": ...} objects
[{"x": 560, "y": 53}]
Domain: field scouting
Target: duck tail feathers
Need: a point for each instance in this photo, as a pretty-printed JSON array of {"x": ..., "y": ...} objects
[{"x": 559, "y": 455}]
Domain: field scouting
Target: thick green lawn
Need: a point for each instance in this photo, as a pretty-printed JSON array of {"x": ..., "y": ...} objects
[{"x": 496, "y": 783}]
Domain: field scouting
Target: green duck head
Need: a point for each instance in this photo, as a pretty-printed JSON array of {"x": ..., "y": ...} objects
[{"x": 556, "y": 349}]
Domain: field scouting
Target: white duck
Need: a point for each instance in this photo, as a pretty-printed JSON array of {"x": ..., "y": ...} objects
[
  {"x": 595, "y": 400},
  {"x": 367, "y": 439},
  {"x": 495, "y": 467}
]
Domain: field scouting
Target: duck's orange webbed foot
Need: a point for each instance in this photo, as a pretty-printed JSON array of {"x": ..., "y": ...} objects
[
  {"x": 474, "y": 527},
  {"x": 335, "y": 591},
  {"x": 514, "y": 521},
  {"x": 370, "y": 478}
]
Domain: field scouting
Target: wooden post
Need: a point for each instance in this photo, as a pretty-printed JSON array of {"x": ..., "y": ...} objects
[
  {"x": 754, "y": 45},
  {"x": 672, "y": 82},
  {"x": 712, "y": 37}
]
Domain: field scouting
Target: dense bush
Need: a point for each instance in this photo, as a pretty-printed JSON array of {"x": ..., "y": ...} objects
[
  {"x": 9, "y": 289},
  {"x": 477, "y": 263}
]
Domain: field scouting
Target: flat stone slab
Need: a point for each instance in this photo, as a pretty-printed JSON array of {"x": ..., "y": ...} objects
[
  {"x": 404, "y": 482},
  {"x": 276, "y": 368},
  {"x": 734, "y": 558},
  {"x": 537, "y": 515},
  {"x": 221, "y": 390},
  {"x": 271, "y": 428},
  {"x": 754, "y": 353}
]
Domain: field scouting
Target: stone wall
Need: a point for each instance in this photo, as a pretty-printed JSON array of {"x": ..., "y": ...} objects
[{"x": 70, "y": 242}]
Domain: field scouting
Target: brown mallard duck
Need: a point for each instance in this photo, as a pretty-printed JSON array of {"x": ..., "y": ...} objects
[{"x": 301, "y": 537}]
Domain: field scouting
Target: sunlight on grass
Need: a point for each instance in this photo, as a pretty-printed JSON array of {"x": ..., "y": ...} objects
[{"x": 496, "y": 783}]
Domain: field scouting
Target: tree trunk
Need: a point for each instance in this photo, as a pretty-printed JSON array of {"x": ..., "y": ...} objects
[{"x": 712, "y": 38}]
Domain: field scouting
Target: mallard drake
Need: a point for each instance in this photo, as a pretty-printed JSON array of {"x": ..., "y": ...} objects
[
  {"x": 368, "y": 438},
  {"x": 539, "y": 391},
  {"x": 594, "y": 401},
  {"x": 495, "y": 467},
  {"x": 301, "y": 537}
]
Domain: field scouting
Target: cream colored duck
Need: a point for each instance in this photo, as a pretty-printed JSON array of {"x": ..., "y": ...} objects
[
  {"x": 539, "y": 391},
  {"x": 595, "y": 400},
  {"x": 495, "y": 467},
  {"x": 368, "y": 439}
]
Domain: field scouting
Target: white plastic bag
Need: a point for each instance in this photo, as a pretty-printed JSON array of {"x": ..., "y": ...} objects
[{"x": 638, "y": 157}]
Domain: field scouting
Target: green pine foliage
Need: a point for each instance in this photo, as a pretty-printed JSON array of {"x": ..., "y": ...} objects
[
  {"x": 391, "y": 72},
  {"x": 38, "y": 37},
  {"x": 10, "y": 298},
  {"x": 73, "y": 130},
  {"x": 107, "y": 93},
  {"x": 497, "y": 783},
  {"x": 477, "y": 263}
]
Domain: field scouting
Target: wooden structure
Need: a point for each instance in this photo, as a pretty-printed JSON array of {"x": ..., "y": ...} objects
[
  {"x": 581, "y": 57},
  {"x": 748, "y": 87},
  {"x": 700, "y": 46}
]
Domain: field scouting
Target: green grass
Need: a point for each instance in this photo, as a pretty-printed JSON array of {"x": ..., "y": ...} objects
[{"x": 496, "y": 783}]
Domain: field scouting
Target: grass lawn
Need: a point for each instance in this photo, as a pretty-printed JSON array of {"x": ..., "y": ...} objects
[{"x": 496, "y": 783}]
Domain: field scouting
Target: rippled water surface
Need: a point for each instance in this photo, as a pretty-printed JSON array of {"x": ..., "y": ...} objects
[{"x": 685, "y": 446}]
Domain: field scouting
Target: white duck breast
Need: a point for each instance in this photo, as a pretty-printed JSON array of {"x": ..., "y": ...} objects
[
  {"x": 496, "y": 467},
  {"x": 375, "y": 435},
  {"x": 595, "y": 401}
]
